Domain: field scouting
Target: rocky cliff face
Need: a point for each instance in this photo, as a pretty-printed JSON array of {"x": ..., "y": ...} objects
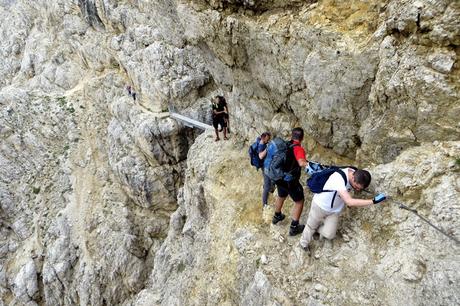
[{"x": 106, "y": 200}]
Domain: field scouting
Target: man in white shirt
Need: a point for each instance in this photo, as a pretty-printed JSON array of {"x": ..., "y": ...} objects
[{"x": 327, "y": 205}]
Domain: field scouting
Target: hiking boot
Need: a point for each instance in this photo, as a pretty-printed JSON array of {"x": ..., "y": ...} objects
[
  {"x": 296, "y": 229},
  {"x": 306, "y": 249},
  {"x": 277, "y": 219},
  {"x": 316, "y": 236}
]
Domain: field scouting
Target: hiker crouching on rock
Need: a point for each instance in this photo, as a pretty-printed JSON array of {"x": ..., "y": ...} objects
[
  {"x": 295, "y": 159},
  {"x": 327, "y": 205}
]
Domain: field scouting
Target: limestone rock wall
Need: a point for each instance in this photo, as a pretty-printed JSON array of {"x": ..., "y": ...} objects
[
  {"x": 89, "y": 177},
  {"x": 222, "y": 248},
  {"x": 359, "y": 77},
  {"x": 106, "y": 200}
]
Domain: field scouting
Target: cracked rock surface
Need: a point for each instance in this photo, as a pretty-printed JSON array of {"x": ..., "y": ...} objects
[{"x": 107, "y": 200}]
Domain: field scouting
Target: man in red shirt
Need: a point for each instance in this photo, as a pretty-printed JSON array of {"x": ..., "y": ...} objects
[{"x": 290, "y": 185}]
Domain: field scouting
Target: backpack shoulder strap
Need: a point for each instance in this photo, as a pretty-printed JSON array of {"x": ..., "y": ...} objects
[
  {"x": 343, "y": 175},
  {"x": 291, "y": 146}
]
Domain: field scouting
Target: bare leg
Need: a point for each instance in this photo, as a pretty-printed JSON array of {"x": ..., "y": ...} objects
[
  {"x": 279, "y": 204},
  {"x": 297, "y": 210}
]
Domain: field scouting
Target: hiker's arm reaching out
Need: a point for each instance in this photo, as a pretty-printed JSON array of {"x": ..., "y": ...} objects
[
  {"x": 346, "y": 197},
  {"x": 263, "y": 154}
]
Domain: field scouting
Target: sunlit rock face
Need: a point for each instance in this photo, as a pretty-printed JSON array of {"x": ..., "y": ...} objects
[{"x": 107, "y": 200}]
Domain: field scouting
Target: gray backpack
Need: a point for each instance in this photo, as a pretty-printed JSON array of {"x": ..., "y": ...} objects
[{"x": 276, "y": 160}]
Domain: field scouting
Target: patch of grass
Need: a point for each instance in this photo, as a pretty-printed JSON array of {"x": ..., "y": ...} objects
[
  {"x": 181, "y": 267},
  {"x": 35, "y": 190},
  {"x": 66, "y": 147},
  {"x": 457, "y": 162},
  {"x": 61, "y": 101},
  {"x": 114, "y": 64},
  {"x": 71, "y": 109}
]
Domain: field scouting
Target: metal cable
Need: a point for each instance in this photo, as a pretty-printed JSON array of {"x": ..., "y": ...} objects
[{"x": 414, "y": 211}]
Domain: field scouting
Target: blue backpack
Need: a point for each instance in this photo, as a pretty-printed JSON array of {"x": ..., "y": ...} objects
[
  {"x": 254, "y": 155},
  {"x": 317, "y": 180},
  {"x": 275, "y": 164}
]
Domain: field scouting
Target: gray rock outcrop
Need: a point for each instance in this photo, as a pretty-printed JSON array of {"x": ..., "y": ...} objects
[{"x": 106, "y": 200}]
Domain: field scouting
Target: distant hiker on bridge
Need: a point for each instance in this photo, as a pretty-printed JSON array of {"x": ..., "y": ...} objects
[
  {"x": 223, "y": 102},
  {"x": 284, "y": 162},
  {"x": 331, "y": 188},
  {"x": 219, "y": 109}
]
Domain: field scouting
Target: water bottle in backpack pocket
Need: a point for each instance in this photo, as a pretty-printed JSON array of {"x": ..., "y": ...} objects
[{"x": 314, "y": 167}]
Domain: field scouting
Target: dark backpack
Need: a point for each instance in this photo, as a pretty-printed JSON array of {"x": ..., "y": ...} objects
[
  {"x": 254, "y": 155},
  {"x": 317, "y": 180},
  {"x": 276, "y": 161}
]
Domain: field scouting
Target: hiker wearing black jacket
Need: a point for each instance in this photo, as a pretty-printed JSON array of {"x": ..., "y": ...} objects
[
  {"x": 327, "y": 205},
  {"x": 219, "y": 110},
  {"x": 295, "y": 160}
]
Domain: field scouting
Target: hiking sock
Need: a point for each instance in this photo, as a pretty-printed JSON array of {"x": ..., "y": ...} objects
[
  {"x": 278, "y": 214},
  {"x": 294, "y": 222}
]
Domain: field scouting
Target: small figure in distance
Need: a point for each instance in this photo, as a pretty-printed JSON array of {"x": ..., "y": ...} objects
[
  {"x": 131, "y": 92},
  {"x": 223, "y": 102},
  {"x": 218, "y": 113}
]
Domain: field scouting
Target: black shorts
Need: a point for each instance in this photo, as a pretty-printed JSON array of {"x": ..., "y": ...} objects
[
  {"x": 293, "y": 188},
  {"x": 219, "y": 120}
]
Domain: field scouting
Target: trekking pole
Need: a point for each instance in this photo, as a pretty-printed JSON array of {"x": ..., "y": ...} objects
[{"x": 414, "y": 211}]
